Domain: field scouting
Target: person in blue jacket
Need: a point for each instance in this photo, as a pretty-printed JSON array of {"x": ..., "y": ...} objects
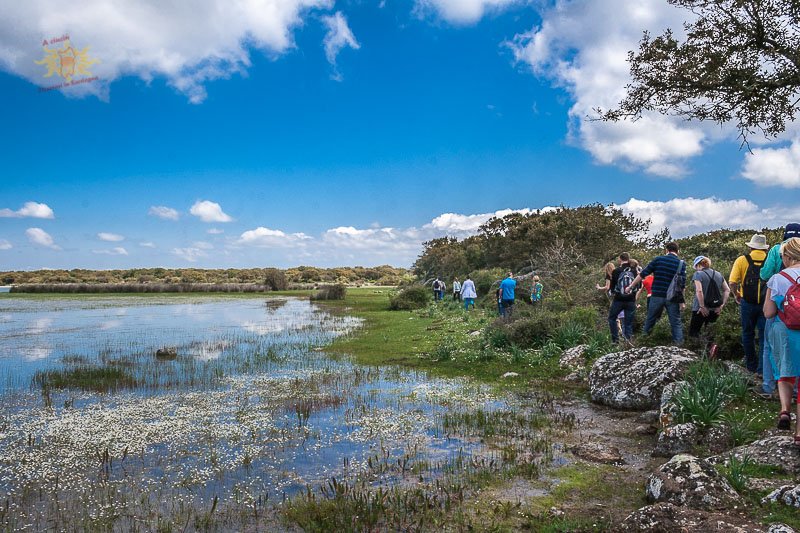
[{"x": 507, "y": 288}]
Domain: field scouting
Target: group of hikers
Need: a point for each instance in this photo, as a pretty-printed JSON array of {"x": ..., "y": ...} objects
[
  {"x": 505, "y": 293},
  {"x": 764, "y": 283}
]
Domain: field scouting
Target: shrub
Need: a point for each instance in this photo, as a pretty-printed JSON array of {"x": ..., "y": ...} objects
[
  {"x": 414, "y": 297},
  {"x": 330, "y": 292},
  {"x": 275, "y": 280},
  {"x": 569, "y": 335},
  {"x": 534, "y": 331}
]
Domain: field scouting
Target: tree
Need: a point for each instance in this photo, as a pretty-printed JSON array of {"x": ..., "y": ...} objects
[{"x": 740, "y": 62}]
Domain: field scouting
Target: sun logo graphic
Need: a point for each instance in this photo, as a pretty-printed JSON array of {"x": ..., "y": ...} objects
[{"x": 67, "y": 61}]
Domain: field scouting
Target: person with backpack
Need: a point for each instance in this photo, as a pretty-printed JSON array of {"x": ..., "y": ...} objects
[
  {"x": 749, "y": 290},
  {"x": 624, "y": 299},
  {"x": 772, "y": 265},
  {"x": 782, "y": 310},
  {"x": 438, "y": 289},
  {"x": 711, "y": 292},
  {"x": 669, "y": 280}
]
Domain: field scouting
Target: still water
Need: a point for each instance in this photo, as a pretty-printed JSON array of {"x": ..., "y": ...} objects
[{"x": 250, "y": 407}]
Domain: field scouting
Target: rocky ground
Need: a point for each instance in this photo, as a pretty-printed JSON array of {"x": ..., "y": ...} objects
[{"x": 677, "y": 474}]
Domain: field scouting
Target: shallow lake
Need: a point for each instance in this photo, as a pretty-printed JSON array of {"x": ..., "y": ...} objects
[{"x": 248, "y": 409}]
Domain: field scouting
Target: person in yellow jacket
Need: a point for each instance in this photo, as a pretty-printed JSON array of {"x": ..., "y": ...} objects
[{"x": 748, "y": 291}]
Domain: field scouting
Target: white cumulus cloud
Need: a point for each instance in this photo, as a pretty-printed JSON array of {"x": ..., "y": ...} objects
[
  {"x": 458, "y": 224},
  {"x": 339, "y": 36},
  {"x": 117, "y": 250},
  {"x": 687, "y": 216},
  {"x": 110, "y": 237},
  {"x": 262, "y": 237},
  {"x": 774, "y": 166},
  {"x": 163, "y": 212},
  {"x": 147, "y": 244},
  {"x": 5, "y": 245},
  {"x": 582, "y": 48},
  {"x": 209, "y": 212},
  {"x": 187, "y": 43},
  {"x": 40, "y": 237},
  {"x": 28, "y": 210},
  {"x": 462, "y": 11},
  {"x": 348, "y": 237}
]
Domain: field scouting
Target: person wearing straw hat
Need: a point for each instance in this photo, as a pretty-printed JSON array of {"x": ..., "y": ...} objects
[
  {"x": 783, "y": 331},
  {"x": 749, "y": 290}
]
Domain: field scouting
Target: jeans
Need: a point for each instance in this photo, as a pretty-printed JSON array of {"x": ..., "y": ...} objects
[
  {"x": 769, "y": 383},
  {"x": 752, "y": 318},
  {"x": 627, "y": 320},
  {"x": 468, "y": 302},
  {"x": 500, "y": 308},
  {"x": 656, "y": 307},
  {"x": 508, "y": 307}
]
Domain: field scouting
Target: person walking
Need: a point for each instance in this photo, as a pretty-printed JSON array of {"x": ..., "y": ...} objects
[
  {"x": 665, "y": 268},
  {"x": 498, "y": 296},
  {"x": 772, "y": 265},
  {"x": 711, "y": 292},
  {"x": 456, "y": 290},
  {"x": 507, "y": 288},
  {"x": 624, "y": 299},
  {"x": 468, "y": 294},
  {"x": 536, "y": 291},
  {"x": 782, "y": 310},
  {"x": 749, "y": 291},
  {"x": 609, "y": 269},
  {"x": 438, "y": 289}
]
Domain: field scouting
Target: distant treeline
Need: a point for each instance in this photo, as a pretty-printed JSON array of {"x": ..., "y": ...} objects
[
  {"x": 303, "y": 275},
  {"x": 94, "y": 288}
]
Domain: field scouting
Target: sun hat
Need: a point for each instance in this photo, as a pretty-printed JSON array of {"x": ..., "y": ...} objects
[
  {"x": 792, "y": 230},
  {"x": 758, "y": 242},
  {"x": 697, "y": 260}
]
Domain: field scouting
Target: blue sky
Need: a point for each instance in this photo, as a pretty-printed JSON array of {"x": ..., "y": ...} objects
[{"x": 314, "y": 132}]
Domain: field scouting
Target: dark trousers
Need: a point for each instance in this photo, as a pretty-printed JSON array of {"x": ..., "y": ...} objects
[
  {"x": 508, "y": 307},
  {"x": 698, "y": 321},
  {"x": 456, "y": 296},
  {"x": 752, "y": 320},
  {"x": 627, "y": 321}
]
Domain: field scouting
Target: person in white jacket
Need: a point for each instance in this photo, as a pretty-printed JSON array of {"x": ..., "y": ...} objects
[
  {"x": 456, "y": 290},
  {"x": 468, "y": 293}
]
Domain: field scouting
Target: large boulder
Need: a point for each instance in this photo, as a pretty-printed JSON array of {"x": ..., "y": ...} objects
[
  {"x": 777, "y": 450},
  {"x": 668, "y": 518},
  {"x": 676, "y": 439},
  {"x": 634, "y": 379},
  {"x": 787, "y": 495},
  {"x": 688, "y": 481}
]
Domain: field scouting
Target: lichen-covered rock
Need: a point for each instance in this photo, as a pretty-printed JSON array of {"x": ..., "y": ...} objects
[
  {"x": 787, "y": 494},
  {"x": 763, "y": 484},
  {"x": 717, "y": 439},
  {"x": 634, "y": 379},
  {"x": 676, "y": 439},
  {"x": 691, "y": 482},
  {"x": 668, "y": 518},
  {"x": 669, "y": 410},
  {"x": 647, "y": 417},
  {"x": 574, "y": 377},
  {"x": 598, "y": 453},
  {"x": 777, "y": 450},
  {"x": 573, "y": 357}
]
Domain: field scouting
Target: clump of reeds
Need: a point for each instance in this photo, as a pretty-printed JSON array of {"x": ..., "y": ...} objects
[{"x": 331, "y": 292}]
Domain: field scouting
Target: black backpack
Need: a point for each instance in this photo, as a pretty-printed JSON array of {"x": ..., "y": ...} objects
[
  {"x": 753, "y": 289},
  {"x": 712, "y": 297}
]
